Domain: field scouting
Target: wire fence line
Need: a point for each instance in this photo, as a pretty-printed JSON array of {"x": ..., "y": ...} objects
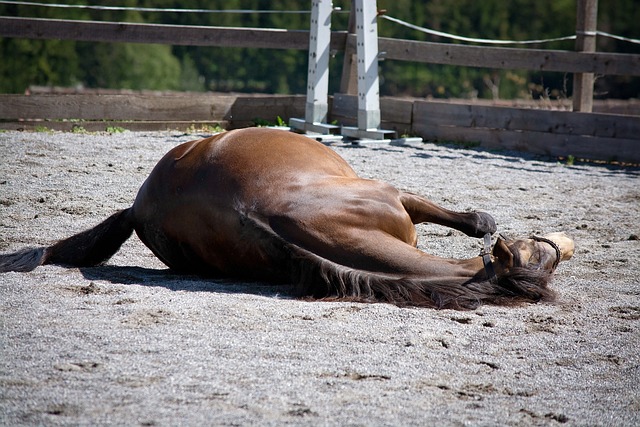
[
  {"x": 155, "y": 9},
  {"x": 386, "y": 17},
  {"x": 504, "y": 42},
  {"x": 471, "y": 39}
]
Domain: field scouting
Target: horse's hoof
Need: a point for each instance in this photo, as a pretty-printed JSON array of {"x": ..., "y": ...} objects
[{"x": 484, "y": 224}]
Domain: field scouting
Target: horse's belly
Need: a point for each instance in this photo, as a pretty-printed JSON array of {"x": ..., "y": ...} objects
[{"x": 205, "y": 239}]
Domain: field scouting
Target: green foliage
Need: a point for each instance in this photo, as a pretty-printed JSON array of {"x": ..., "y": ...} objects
[
  {"x": 43, "y": 129},
  {"x": 115, "y": 129},
  {"x": 150, "y": 67},
  {"x": 37, "y": 62},
  {"x": 204, "y": 128},
  {"x": 79, "y": 129},
  {"x": 260, "y": 122},
  {"x": 497, "y": 19},
  {"x": 199, "y": 68}
]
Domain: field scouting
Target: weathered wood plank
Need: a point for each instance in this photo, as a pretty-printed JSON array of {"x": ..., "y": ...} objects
[
  {"x": 245, "y": 110},
  {"x": 94, "y": 31},
  {"x": 593, "y": 148},
  {"x": 395, "y": 113},
  {"x": 523, "y": 119},
  {"x": 396, "y": 110},
  {"x": 103, "y": 126},
  {"x": 393, "y": 110},
  {"x": 238, "y": 111},
  {"x": 510, "y": 58},
  {"x": 345, "y": 106},
  {"x": 192, "y": 106}
]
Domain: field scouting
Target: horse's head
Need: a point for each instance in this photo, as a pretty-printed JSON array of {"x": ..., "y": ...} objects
[{"x": 542, "y": 253}]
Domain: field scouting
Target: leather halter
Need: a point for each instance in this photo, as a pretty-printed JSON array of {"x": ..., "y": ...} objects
[
  {"x": 486, "y": 254},
  {"x": 486, "y": 258},
  {"x": 553, "y": 245}
]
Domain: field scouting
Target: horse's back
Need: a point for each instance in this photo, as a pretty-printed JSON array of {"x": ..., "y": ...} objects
[
  {"x": 191, "y": 210},
  {"x": 266, "y": 152}
]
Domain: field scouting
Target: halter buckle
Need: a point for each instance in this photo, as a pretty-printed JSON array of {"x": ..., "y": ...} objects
[{"x": 486, "y": 258}]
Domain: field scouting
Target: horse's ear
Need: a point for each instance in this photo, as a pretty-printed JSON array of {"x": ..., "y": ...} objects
[{"x": 502, "y": 253}]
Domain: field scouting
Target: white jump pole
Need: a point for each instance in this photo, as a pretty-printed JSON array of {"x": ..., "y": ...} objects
[
  {"x": 368, "y": 81},
  {"x": 317, "y": 105}
]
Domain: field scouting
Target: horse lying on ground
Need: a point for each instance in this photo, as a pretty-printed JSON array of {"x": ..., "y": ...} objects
[{"x": 271, "y": 205}]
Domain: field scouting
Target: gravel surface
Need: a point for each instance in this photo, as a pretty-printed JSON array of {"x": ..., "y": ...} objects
[{"x": 130, "y": 343}]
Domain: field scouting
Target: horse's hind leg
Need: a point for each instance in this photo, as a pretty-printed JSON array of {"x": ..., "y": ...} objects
[{"x": 474, "y": 224}]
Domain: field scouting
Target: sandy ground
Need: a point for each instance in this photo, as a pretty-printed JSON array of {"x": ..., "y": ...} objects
[{"x": 131, "y": 343}]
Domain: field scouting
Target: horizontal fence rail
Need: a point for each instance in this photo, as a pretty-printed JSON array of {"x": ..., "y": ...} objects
[
  {"x": 185, "y": 35},
  {"x": 510, "y": 58},
  {"x": 553, "y": 133},
  {"x": 201, "y": 107},
  {"x": 594, "y": 136},
  {"x": 95, "y": 112}
]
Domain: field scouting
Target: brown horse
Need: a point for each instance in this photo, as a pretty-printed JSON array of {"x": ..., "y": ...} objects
[{"x": 265, "y": 204}]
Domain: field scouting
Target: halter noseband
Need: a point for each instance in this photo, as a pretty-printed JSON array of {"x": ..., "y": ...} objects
[{"x": 553, "y": 245}]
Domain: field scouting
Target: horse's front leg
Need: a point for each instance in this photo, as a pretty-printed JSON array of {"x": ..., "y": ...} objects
[{"x": 474, "y": 224}]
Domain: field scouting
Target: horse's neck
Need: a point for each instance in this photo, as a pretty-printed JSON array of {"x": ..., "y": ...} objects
[{"x": 463, "y": 270}]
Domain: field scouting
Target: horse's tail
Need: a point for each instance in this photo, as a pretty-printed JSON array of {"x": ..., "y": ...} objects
[
  {"x": 90, "y": 247},
  {"x": 319, "y": 277}
]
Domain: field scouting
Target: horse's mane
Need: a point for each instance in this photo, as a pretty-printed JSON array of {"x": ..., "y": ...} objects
[{"x": 318, "y": 277}]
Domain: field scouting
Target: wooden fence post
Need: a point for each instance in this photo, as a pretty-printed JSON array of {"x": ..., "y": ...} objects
[{"x": 586, "y": 25}]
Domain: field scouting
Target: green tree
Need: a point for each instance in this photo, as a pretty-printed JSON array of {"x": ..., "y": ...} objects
[
  {"x": 121, "y": 65},
  {"x": 129, "y": 66},
  {"x": 37, "y": 62}
]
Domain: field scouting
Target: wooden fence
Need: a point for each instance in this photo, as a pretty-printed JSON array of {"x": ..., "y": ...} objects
[
  {"x": 144, "y": 111},
  {"x": 558, "y": 133},
  {"x": 596, "y": 136}
]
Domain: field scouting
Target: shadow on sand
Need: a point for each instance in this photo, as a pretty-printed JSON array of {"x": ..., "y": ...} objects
[{"x": 170, "y": 279}]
